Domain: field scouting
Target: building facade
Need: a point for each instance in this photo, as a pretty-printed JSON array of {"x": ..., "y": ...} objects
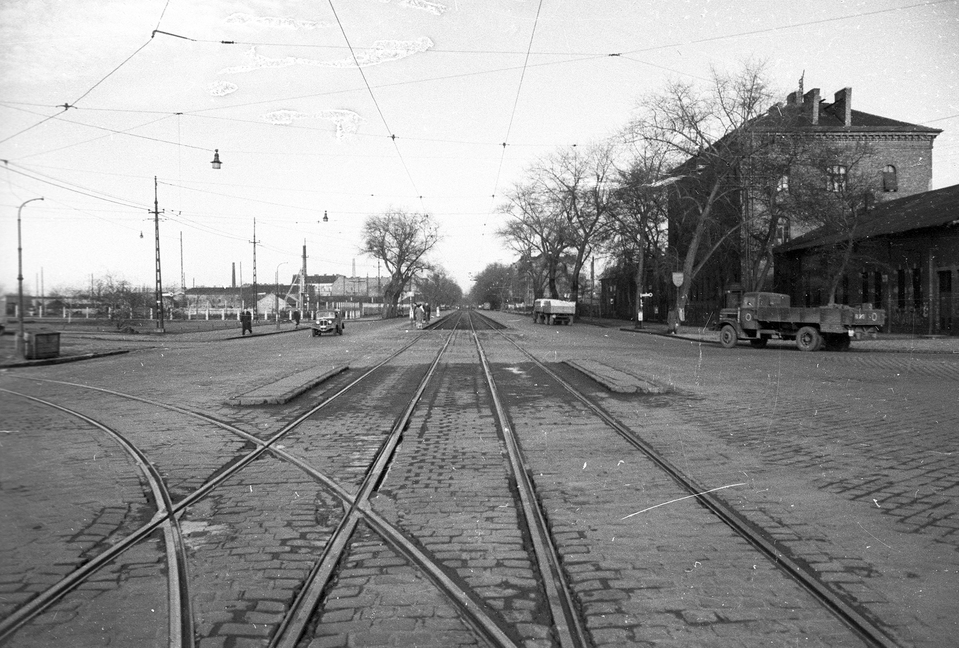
[
  {"x": 893, "y": 158},
  {"x": 904, "y": 259}
]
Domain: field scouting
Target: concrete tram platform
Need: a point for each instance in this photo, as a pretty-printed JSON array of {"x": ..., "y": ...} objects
[{"x": 287, "y": 388}]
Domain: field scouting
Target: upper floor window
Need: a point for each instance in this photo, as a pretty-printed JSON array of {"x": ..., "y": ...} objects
[
  {"x": 782, "y": 185},
  {"x": 889, "y": 180},
  {"x": 782, "y": 231},
  {"x": 836, "y": 178}
]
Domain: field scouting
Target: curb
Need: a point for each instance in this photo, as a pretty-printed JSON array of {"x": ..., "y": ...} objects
[
  {"x": 615, "y": 380},
  {"x": 62, "y": 359}
]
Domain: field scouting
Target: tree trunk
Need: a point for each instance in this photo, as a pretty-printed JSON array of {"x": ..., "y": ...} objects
[
  {"x": 689, "y": 262},
  {"x": 837, "y": 277}
]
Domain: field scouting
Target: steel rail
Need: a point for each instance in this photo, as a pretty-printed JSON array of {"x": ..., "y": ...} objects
[
  {"x": 566, "y": 619},
  {"x": 181, "y": 626},
  {"x": 304, "y": 605},
  {"x": 842, "y": 610},
  {"x": 41, "y": 602},
  {"x": 472, "y": 606}
]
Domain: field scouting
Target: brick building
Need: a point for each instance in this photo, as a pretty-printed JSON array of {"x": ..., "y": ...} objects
[
  {"x": 905, "y": 260},
  {"x": 894, "y": 156}
]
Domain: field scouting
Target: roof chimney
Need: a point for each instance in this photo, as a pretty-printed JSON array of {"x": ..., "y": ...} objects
[
  {"x": 843, "y": 106},
  {"x": 810, "y": 102}
]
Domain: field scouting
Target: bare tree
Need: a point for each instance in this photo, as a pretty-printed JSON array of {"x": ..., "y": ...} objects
[
  {"x": 834, "y": 199},
  {"x": 703, "y": 136},
  {"x": 401, "y": 240},
  {"x": 438, "y": 288},
  {"x": 492, "y": 285},
  {"x": 638, "y": 217},
  {"x": 581, "y": 183},
  {"x": 536, "y": 230}
]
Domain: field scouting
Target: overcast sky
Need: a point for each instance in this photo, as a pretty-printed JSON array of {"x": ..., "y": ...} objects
[{"x": 152, "y": 90}]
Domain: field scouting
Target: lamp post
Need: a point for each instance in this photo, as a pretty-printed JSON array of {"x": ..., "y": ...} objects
[
  {"x": 276, "y": 293},
  {"x": 21, "y": 347}
]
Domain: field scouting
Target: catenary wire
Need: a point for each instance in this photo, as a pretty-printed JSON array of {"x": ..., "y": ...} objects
[{"x": 509, "y": 128}]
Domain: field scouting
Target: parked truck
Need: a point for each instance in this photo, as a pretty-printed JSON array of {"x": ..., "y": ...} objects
[
  {"x": 762, "y": 316},
  {"x": 553, "y": 311}
]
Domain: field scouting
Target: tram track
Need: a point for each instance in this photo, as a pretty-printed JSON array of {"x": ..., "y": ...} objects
[
  {"x": 846, "y": 612},
  {"x": 471, "y": 606},
  {"x": 486, "y": 622},
  {"x": 180, "y": 618}
]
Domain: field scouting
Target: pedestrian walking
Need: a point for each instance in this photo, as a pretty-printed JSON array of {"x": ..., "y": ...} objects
[
  {"x": 419, "y": 315},
  {"x": 246, "y": 319},
  {"x": 296, "y": 318}
]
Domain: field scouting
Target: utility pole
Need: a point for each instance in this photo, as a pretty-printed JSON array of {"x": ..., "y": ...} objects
[
  {"x": 21, "y": 334},
  {"x": 300, "y": 303},
  {"x": 159, "y": 281},
  {"x": 182, "y": 274},
  {"x": 254, "y": 242}
]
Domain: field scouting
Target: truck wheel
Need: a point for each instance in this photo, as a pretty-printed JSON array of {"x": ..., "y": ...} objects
[
  {"x": 727, "y": 336},
  {"x": 808, "y": 339},
  {"x": 758, "y": 343}
]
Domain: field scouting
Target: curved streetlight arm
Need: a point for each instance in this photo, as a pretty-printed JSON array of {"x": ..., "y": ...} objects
[{"x": 21, "y": 348}]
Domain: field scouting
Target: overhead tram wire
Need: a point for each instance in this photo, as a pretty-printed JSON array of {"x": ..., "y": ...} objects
[
  {"x": 94, "y": 139},
  {"x": 440, "y": 50},
  {"x": 807, "y": 23},
  {"x": 579, "y": 58},
  {"x": 67, "y": 106},
  {"x": 90, "y": 193},
  {"x": 512, "y": 116},
  {"x": 379, "y": 111},
  {"x": 62, "y": 184}
]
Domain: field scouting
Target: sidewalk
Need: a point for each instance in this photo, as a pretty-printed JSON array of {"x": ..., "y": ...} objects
[{"x": 888, "y": 342}]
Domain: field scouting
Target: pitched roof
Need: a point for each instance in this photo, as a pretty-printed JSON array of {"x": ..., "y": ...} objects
[
  {"x": 792, "y": 117},
  {"x": 915, "y": 212},
  {"x": 321, "y": 279}
]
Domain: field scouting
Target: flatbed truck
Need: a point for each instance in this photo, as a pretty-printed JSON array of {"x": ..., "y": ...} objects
[
  {"x": 761, "y": 316},
  {"x": 553, "y": 311}
]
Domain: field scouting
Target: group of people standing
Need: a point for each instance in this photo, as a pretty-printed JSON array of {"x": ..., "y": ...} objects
[{"x": 420, "y": 313}]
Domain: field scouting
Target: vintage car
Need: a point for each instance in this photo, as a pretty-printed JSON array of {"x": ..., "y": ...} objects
[{"x": 328, "y": 322}]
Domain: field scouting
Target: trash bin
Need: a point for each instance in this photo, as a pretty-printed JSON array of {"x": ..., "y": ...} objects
[{"x": 42, "y": 345}]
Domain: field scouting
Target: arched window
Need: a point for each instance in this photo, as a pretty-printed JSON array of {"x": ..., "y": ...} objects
[
  {"x": 889, "y": 180},
  {"x": 836, "y": 178},
  {"x": 782, "y": 185}
]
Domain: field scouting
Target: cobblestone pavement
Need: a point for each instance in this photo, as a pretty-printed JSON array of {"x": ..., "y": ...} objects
[
  {"x": 850, "y": 460},
  {"x": 847, "y": 460},
  {"x": 673, "y": 576}
]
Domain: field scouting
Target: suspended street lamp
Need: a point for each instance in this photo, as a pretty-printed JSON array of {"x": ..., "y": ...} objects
[{"x": 216, "y": 159}]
